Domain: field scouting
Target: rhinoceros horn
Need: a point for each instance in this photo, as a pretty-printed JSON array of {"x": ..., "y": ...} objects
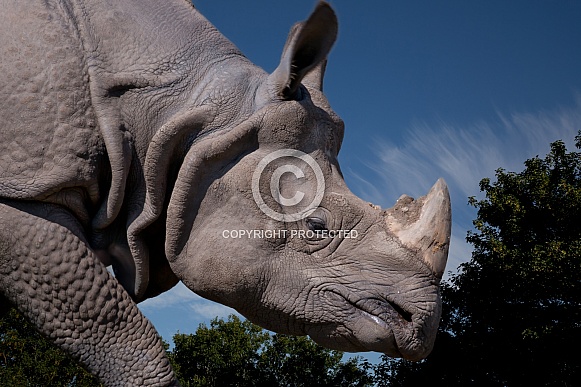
[{"x": 424, "y": 225}]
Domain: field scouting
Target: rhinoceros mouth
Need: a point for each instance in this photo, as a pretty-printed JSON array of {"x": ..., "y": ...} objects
[
  {"x": 397, "y": 327},
  {"x": 382, "y": 309},
  {"x": 393, "y": 319},
  {"x": 384, "y": 312}
]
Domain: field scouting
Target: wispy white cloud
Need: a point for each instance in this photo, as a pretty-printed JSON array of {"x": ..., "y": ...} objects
[
  {"x": 181, "y": 296},
  {"x": 181, "y": 310},
  {"x": 208, "y": 310},
  {"x": 178, "y": 295},
  {"x": 463, "y": 156}
]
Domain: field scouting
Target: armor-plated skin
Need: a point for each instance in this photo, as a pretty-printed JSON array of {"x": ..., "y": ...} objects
[{"x": 130, "y": 133}]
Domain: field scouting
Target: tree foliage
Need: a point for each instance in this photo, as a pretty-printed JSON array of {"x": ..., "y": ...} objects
[
  {"x": 238, "y": 353},
  {"x": 513, "y": 313},
  {"x": 28, "y": 359},
  {"x": 298, "y": 361},
  {"x": 222, "y": 354}
]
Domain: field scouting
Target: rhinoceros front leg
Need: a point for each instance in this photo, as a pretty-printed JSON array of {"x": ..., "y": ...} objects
[{"x": 49, "y": 273}]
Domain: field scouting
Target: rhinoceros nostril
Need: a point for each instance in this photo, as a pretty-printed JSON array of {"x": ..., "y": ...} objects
[{"x": 407, "y": 316}]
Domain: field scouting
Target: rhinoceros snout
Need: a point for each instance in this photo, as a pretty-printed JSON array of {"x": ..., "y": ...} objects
[{"x": 424, "y": 225}]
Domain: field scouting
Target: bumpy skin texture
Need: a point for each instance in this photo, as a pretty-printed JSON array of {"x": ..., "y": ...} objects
[
  {"x": 58, "y": 283},
  {"x": 129, "y": 136}
]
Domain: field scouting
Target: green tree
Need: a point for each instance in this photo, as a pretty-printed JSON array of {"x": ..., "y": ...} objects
[
  {"x": 513, "y": 313},
  {"x": 224, "y": 354},
  {"x": 239, "y": 353},
  {"x": 28, "y": 359},
  {"x": 299, "y": 361}
]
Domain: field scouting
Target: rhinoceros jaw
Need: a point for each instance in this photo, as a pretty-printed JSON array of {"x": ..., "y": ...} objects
[{"x": 424, "y": 225}]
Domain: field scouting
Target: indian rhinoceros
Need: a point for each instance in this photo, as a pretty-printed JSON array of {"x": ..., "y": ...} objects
[{"x": 134, "y": 135}]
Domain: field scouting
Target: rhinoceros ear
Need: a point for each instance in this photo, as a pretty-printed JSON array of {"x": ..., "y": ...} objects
[
  {"x": 305, "y": 51},
  {"x": 314, "y": 78}
]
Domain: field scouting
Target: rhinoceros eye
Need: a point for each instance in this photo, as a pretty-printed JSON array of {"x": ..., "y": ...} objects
[{"x": 316, "y": 224}]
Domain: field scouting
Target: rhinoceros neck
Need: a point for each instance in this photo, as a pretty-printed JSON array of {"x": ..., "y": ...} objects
[
  {"x": 150, "y": 37},
  {"x": 161, "y": 57},
  {"x": 149, "y": 62}
]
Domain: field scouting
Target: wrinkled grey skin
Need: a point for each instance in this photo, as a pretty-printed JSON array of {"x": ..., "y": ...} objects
[{"x": 129, "y": 133}]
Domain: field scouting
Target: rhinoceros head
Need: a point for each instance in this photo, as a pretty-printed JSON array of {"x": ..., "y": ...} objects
[{"x": 260, "y": 219}]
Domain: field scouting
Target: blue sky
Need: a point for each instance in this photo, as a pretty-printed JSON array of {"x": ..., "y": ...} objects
[{"x": 427, "y": 89}]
